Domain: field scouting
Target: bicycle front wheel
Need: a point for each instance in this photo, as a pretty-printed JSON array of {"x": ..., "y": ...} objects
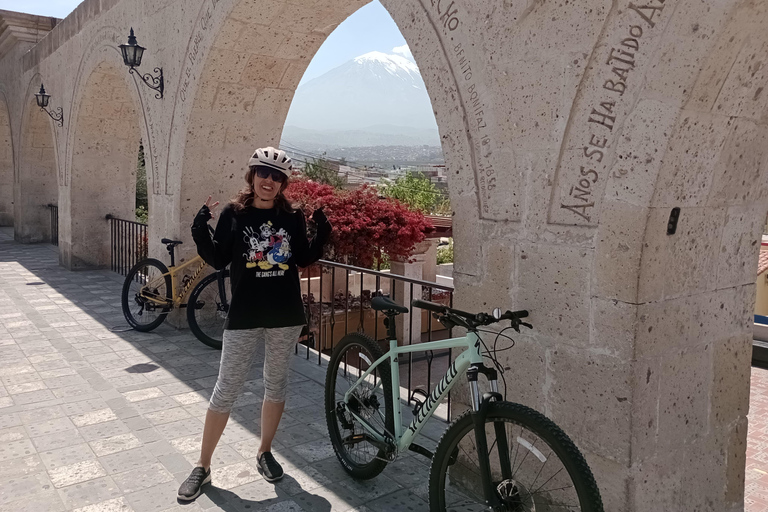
[
  {"x": 535, "y": 467},
  {"x": 146, "y": 294},
  {"x": 207, "y": 309},
  {"x": 371, "y": 401}
]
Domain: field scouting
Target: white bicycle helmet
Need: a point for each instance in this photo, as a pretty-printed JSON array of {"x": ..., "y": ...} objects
[{"x": 273, "y": 158}]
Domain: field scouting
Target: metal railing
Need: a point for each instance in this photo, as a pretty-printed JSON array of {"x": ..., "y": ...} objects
[
  {"x": 54, "y": 211},
  {"x": 337, "y": 299},
  {"x": 128, "y": 243}
]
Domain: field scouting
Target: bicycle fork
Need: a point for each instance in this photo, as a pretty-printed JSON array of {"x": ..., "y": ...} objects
[{"x": 479, "y": 413}]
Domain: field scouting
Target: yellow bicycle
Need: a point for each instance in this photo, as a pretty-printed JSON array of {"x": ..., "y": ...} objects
[{"x": 150, "y": 293}]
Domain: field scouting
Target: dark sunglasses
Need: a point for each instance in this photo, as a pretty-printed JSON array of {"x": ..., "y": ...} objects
[{"x": 266, "y": 172}]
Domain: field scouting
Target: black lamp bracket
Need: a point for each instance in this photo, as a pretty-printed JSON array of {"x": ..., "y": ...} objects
[
  {"x": 58, "y": 117},
  {"x": 155, "y": 83}
]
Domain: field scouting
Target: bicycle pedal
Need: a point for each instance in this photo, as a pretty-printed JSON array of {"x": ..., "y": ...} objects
[{"x": 418, "y": 400}]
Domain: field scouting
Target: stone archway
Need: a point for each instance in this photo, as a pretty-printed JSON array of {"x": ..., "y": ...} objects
[
  {"x": 103, "y": 167},
  {"x": 239, "y": 77},
  {"x": 6, "y": 166},
  {"x": 36, "y": 181}
]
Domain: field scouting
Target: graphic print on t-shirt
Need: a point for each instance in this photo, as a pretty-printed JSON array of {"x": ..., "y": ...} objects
[{"x": 267, "y": 247}]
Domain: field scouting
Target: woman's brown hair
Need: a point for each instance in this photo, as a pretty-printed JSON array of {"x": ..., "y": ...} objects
[{"x": 244, "y": 197}]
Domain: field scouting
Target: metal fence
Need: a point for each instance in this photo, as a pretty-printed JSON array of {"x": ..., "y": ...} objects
[
  {"x": 337, "y": 298},
  {"x": 54, "y": 211},
  {"x": 128, "y": 243}
]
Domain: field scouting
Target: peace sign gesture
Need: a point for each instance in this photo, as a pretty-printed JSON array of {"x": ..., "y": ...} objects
[{"x": 210, "y": 206}]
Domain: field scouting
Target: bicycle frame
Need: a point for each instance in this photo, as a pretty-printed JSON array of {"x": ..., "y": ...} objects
[
  {"x": 173, "y": 272},
  {"x": 459, "y": 366}
]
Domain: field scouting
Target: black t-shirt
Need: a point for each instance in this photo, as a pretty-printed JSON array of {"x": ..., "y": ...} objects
[{"x": 265, "y": 247}]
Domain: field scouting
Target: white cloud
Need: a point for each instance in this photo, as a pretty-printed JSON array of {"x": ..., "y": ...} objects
[{"x": 404, "y": 51}]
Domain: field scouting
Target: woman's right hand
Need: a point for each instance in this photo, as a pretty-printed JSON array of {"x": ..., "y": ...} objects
[{"x": 204, "y": 214}]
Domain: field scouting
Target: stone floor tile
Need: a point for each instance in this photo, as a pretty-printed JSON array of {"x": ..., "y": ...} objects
[
  {"x": 142, "y": 478},
  {"x": 299, "y": 434},
  {"x": 155, "y": 404},
  {"x": 167, "y": 415},
  {"x": 33, "y": 397},
  {"x": 114, "y": 505},
  {"x": 223, "y": 456},
  {"x": 76, "y": 473},
  {"x": 83, "y": 406},
  {"x": 103, "y": 430},
  {"x": 315, "y": 450},
  {"x": 22, "y": 466},
  {"x": 16, "y": 449},
  {"x": 92, "y": 418},
  {"x": 177, "y": 463},
  {"x": 236, "y": 432},
  {"x": 24, "y": 486},
  {"x": 192, "y": 397},
  {"x": 188, "y": 444},
  {"x": 160, "y": 447},
  {"x": 402, "y": 500},
  {"x": 257, "y": 495},
  {"x": 180, "y": 428},
  {"x": 158, "y": 498},
  {"x": 59, "y": 457},
  {"x": 16, "y": 389},
  {"x": 234, "y": 475},
  {"x": 89, "y": 493},
  {"x": 332, "y": 498},
  {"x": 47, "y": 501},
  {"x": 114, "y": 444},
  {"x": 136, "y": 423},
  {"x": 13, "y": 434},
  {"x": 58, "y": 440},
  {"x": 126, "y": 460}
]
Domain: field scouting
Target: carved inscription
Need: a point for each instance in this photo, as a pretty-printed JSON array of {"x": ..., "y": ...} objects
[
  {"x": 582, "y": 180},
  {"x": 475, "y": 110},
  {"x": 203, "y": 24},
  {"x": 447, "y": 13}
]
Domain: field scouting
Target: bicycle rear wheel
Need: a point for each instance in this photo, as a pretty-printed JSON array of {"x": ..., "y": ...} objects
[
  {"x": 545, "y": 470},
  {"x": 207, "y": 309},
  {"x": 148, "y": 279},
  {"x": 372, "y": 401}
]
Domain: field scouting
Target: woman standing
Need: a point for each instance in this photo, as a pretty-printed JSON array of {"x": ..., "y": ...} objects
[{"x": 265, "y": 240}]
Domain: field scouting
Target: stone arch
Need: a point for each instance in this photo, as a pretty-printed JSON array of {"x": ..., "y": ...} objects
[
  {"x": 104, "y": 153},
  {"x": 239, "y": 78},
  {"x": 6, "y": 165},
  {"x": 37, "y": 178}
]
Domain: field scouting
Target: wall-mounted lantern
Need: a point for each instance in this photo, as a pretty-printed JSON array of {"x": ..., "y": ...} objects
[
  {"x": 132, "y": 53},
  {"x": 42, "y": 102}
]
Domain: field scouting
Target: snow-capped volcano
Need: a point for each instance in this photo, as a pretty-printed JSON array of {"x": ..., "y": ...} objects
[
  {"x": 394, "y": 64},
  {"x": 372, "y": 89}
]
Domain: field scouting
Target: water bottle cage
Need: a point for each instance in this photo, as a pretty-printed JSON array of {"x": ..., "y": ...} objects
[{"x": 419, "y": 402}]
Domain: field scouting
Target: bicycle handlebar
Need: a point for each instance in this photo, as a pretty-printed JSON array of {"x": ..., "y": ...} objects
[{"x": 471, "y": 320}]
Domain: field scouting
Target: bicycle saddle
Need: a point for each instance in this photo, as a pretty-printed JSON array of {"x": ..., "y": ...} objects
[
  {"x": 169, "y": 241},
  {"x": 386, "y": 304}
]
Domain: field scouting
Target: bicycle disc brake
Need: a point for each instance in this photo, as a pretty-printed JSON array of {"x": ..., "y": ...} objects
[{"x": 511, "y": 494}]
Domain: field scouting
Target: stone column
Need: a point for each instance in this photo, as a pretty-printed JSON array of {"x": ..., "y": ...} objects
[
  {"x": 409, "y": 325},
  {"x": 429, "y": 271}
]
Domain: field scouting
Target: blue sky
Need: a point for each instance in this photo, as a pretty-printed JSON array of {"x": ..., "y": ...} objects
[{"x": 370, "y": 28}]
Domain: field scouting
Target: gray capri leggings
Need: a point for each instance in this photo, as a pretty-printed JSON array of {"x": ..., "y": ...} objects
[{"x": 240, "y": 348}]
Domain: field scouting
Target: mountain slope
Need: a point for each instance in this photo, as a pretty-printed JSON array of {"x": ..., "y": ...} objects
[{"x": 373, "y": 89}]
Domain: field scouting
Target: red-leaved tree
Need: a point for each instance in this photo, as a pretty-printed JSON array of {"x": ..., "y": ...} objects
[{"x": 365, "y": 226}]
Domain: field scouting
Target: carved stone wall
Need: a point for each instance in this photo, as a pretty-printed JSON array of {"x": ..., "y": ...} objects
[{"x": 571, "y": 131}]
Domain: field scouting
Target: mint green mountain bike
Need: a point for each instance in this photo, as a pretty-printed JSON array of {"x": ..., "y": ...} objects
[{"x": 498, "y": 456}]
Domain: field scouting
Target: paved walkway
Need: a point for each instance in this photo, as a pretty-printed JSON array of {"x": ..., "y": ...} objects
[
  {"x": 756, "y": 491},
  {"x": 93, "y": 418}
]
